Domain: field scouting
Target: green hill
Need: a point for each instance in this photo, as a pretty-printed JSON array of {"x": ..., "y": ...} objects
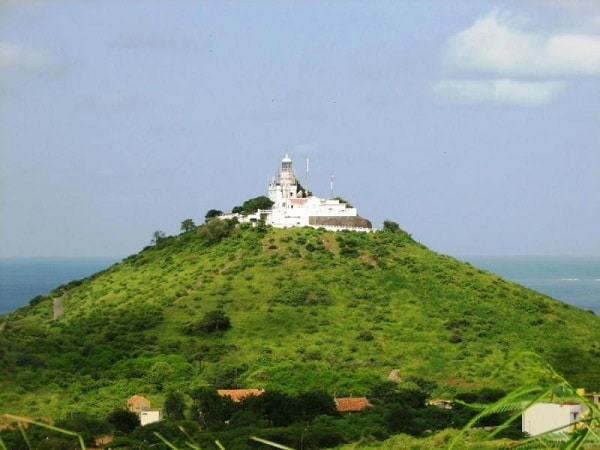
[{"x": 309, "y": 309}]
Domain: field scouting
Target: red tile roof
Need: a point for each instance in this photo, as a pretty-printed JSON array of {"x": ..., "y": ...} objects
[
  {"x": 137, "y": 399},
  {"x": 237, "y": 395},
  {"x": 351, "y": 404}
]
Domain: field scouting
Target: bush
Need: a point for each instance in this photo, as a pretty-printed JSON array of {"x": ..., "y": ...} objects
[
  {"x": 365, "y": 335},
  {"x": 455, "y": 337},
  {"x": 254, "y": 204},
  {"x": 390, "y": 226},
  {"x": 212, "y": 213},
  {"x": 224, "y": 376},
  {"x": 215, "y": 320},
  {"x": 123, "y": 420},
  {"x": 215, "y": 230},
  {"x": 212, "y": 322}
]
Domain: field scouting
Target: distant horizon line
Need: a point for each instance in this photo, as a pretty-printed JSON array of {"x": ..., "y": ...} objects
[{"x": 457, "y": 256}]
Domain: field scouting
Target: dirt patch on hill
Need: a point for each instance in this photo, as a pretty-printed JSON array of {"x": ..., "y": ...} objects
[{"x": 57, "y": 307}]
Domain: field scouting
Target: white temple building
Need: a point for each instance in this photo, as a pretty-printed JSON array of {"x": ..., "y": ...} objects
[{"x": 295, "y": 207}]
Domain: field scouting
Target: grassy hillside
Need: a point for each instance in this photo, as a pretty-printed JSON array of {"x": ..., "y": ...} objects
[{"x": 309, "y": 309}]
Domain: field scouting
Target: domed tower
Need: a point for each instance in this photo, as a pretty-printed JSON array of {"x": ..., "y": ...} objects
[
  {"x": 286, "y": 174},
  {"x": 285, "y": 186}
]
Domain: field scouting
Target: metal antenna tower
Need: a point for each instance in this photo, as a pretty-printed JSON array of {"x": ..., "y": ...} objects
[
  {"x": 331, "y": 180},
  {"x": 306, "y": 179}
]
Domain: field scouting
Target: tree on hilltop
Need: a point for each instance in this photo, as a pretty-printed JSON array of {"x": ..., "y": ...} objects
[
  {"x": 187, "y": 225},
  {"x": 212, "y": 213},
  {"x": 252, "y": 205},
  {"x": 157, "y": 237},
  {"x": 391, "y": 226}
]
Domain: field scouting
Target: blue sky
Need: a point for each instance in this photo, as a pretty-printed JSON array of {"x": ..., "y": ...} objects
[{"x": 473, "y": 124}]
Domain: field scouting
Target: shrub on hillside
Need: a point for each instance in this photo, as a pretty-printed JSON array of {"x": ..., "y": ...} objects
[
  {"x": 365, "y": 335},
  {"x": 216, "y": 230},
  {"x": 215, "y": 320},
  {"x": 391, "y": 226},
  {"x": 226, "y": 376},
  {"x": 212, "y": 213},
  {"x": 212, "y": 322}
]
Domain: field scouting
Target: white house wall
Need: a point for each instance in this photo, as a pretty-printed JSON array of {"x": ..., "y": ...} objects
[
  {"x": 544, "y": 417},
  {"x": 150, "y": 416},
  {"x": 291, "y": 208}
]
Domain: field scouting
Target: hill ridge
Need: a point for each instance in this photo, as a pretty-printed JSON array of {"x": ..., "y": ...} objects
[{"x": 309, "y": 308}]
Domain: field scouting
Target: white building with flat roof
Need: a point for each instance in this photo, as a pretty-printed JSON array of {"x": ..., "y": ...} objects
[
  {"x": 148, "y": 416},
  {"x": 550, "y": 417},
  {"x": 293, "y": 206}
]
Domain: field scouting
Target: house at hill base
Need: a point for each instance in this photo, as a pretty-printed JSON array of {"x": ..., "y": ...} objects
[
  {"x": 148, "y": 416},
  {"x": 543, "y": 418},
  {"x": 237, "y": 395},
  {"x": 141, "y": 406},
  {"x": 351, "y": 404},
  {"x": 137, "y": 404},
  {"x": 295, "y": 206}
]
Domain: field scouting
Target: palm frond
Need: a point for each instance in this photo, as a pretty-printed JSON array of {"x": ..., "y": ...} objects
[
  {"x": 165, "y": 441},
  {"x": 21, "y": 420},
  {"x": 550, "y": 386},
  {"x": 270, "y": 443}
]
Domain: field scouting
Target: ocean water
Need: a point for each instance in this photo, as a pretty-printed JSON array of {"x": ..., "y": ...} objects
[
  {"x": 22, "y": 279},
  {"x": 573, "y": 280}
]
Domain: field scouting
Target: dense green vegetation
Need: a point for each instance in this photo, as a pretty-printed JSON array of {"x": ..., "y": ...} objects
[
  {"x": 307, "y": 420},
  {"x": 292, "y": 311}
]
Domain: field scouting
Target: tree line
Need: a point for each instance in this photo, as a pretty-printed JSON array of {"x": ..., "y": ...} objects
[{"x": 305, "y": 420}]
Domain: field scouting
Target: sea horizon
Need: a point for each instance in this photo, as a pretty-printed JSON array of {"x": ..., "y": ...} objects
[
  {"x": 24, "y": 278},
  {"x": 572, "y": 279}
]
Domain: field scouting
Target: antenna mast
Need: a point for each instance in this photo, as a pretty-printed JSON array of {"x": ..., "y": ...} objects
[
  {"x": 306, "y": 178},
  {"x": 331, "y": 180}
]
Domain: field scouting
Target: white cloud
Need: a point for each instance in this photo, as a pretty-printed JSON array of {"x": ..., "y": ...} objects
[
  {"x": 499, "y": 91},
  {"x": 498, "y": 44},
  {"x": 26, "y": 59},
  {"x": 525, "y": 67}
]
